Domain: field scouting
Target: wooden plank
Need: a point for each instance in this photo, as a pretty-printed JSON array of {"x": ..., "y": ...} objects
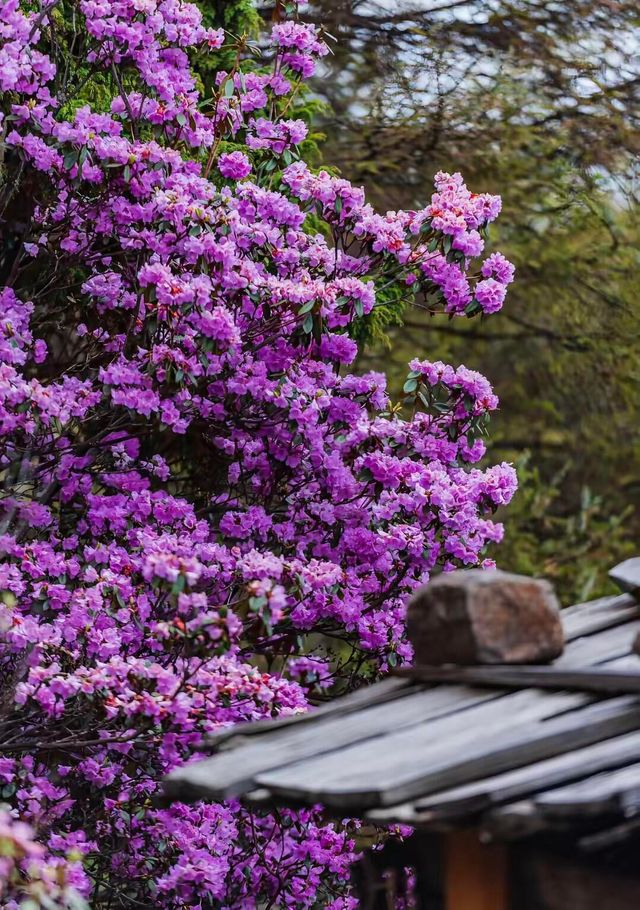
[
  {"x": 612, "y": 792},
  {"x": 475, "y": 874},
  {"x": 629, "y": 663},
  {"x": 483, "y": 794},
  {"x": 595, "y": 649},
  {"x": 597, "y": 615},
  {"x": 610, "y": 753},
  {"x": 233, "y": 772},
  {"x": 595, "y": 679},
  {"x": 415, "y": 757},
  {"x": 627, "y": 574},
  {"x": 454, "y": 750},
  {"x": 377, "y": 693}
]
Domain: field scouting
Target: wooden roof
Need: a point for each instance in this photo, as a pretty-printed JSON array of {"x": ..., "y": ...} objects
[{"x": 508, "y": 755}]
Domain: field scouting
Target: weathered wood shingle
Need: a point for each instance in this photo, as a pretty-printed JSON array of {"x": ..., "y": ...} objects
[{"x": 429, "y": 751}]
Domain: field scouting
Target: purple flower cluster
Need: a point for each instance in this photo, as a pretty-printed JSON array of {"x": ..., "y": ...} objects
[
  {"x": 29, "y": 877},
  {"x": 302, "y": 46},
  {"x": 196, "y": 487}
]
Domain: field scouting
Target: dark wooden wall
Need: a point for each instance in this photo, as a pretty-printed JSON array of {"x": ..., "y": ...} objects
[{"x": 552, "y": 881}]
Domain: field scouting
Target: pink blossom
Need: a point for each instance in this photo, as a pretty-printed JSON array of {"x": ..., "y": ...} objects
[{"x": 234, "y": 165}]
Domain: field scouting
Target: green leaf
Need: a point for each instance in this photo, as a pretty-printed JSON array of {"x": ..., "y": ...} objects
[
  {"x": 179, "y": 585},
  {"x": 410, "y": 385},
  {"x": 70, "y": 159}
]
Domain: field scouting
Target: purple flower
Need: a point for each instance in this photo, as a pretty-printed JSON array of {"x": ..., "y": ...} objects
[
  {"x": 234, "y": 165},
  {"x": 490, "y": 295},
  {"x": 496, "y": 266}
]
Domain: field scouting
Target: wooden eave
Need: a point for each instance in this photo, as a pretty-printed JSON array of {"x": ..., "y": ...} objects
[{"x": 494, "y": 751}]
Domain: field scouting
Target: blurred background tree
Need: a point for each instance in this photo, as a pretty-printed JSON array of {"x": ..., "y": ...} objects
[{"x": 538, "y": 100}]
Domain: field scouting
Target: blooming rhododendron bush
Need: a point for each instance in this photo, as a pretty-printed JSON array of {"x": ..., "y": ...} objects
[{"x": 197, "y": 488}]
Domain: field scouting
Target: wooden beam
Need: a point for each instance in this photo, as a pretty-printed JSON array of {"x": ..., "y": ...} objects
[
  {"x": 597, "y": 615},
  {"x": 615, "y": 792},
  {"x": 476, "y": 874},
  {"x": 491, "y": 738},
  {"x": 481, "y": 795},
  {"x": 609, "y": 682}
]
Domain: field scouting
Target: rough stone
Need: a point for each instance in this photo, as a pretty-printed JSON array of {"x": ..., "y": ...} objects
[
  {"x": 475, "y": 616},
  {"x": 627, "y": 574}
]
